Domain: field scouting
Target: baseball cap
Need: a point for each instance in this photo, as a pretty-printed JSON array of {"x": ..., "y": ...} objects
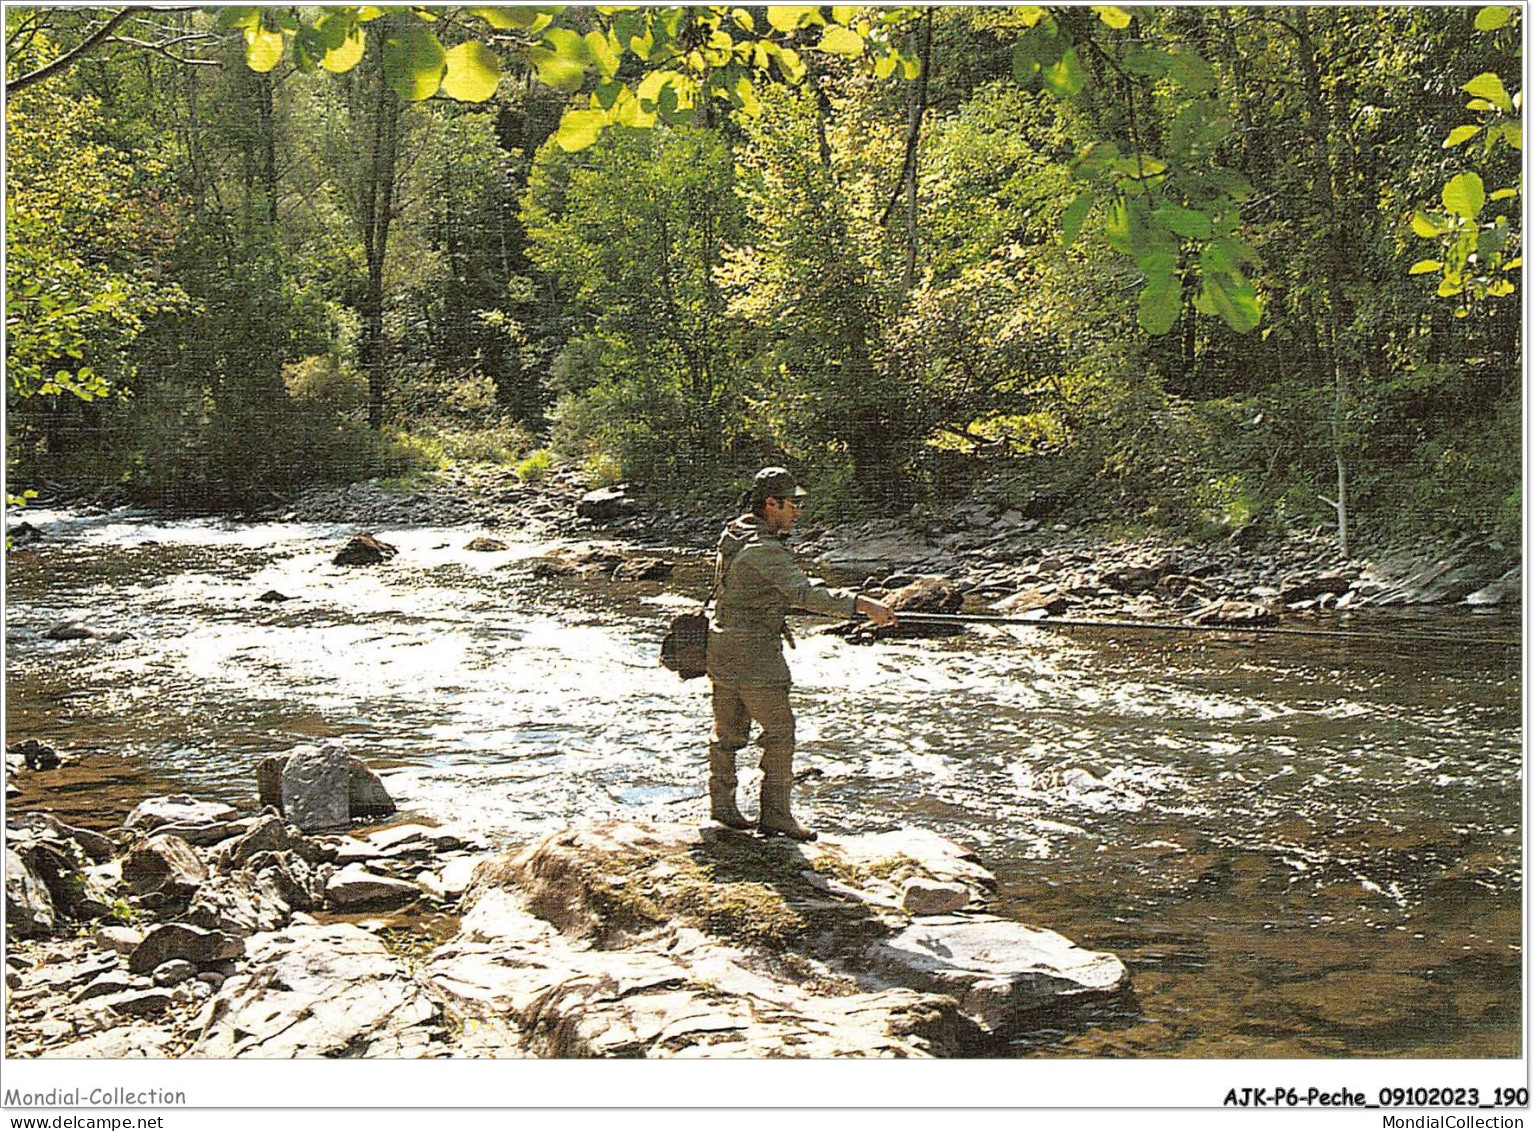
[{"x": 776, "y": 483}]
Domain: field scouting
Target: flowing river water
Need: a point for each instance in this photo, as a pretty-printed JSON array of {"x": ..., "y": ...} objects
[{"x": 1301, "y": 848}]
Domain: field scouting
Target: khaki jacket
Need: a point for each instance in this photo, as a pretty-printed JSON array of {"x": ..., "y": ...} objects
[{"x": 757, "y": 583}]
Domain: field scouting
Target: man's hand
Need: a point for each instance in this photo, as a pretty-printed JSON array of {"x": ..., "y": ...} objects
[{"x": 876, "y": 611}]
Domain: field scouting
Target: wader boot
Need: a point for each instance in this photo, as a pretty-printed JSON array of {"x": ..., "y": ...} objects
[
  {"x": 721, "y": 788},
  {"x": 776, "y": 786}
]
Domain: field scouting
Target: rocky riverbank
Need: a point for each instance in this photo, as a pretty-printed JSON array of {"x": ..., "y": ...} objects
[
  {"x": 301, "y": 930},
  {"x": 991, "y": 553}
]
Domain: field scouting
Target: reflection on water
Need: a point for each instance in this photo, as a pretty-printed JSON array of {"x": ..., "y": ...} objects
[{"x": 1301, "y": 848}]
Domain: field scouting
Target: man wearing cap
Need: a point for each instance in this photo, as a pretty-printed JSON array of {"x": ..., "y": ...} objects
[{"x": 757, "y": 583}]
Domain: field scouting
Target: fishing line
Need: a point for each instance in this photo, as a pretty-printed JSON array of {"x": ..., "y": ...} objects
[{"x": 1248, "y": 630}]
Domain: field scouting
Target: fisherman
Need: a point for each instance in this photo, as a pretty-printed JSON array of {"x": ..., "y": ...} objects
[{"x": 757, "y": 583}]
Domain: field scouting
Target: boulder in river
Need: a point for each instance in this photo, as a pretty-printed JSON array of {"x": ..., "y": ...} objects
[
  {"x": 23, "y": 534},
  {"x": 1000, "y": 971},
  {"x": 75, "y": 629},
  {"x": 1234, "y": 614},
  {"x": 643, "y": 569},
  {"x": 486, "y": 546},
  {"x": 1046, "y": 601},
  {"x": 583, "y": 559},
  {"x": 321, "y": 788},
  {"x": 34, "y": 755},
  {"x": 365, "y": 549}
]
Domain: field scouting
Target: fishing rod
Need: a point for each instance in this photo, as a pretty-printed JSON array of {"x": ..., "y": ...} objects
[{"x": 1152, "y": 626}]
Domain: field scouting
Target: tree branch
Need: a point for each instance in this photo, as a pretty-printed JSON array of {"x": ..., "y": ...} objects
[
  {"x": 163, "y": 49},
  {"x": 69, "y": 58}
]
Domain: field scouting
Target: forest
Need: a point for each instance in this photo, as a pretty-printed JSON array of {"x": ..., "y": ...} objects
[{"x": 1192, "y": 268}]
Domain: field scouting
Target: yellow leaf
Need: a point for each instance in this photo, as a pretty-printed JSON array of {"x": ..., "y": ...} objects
[
  {"x": 1115, "y": 18},
  {"x": 347, "y": 55},
  {"x": 473, "y": 72},
  {"x": 263, "y": 48},
  {"x": 579, "y": 129},
  {"x": 842, "y": 41},
  {"x": 786, "y": 18}
]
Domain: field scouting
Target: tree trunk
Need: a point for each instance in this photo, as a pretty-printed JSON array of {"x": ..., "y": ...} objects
[
  {"x": 1335, "y": 300},
  {"x": 377, "y": 213}
]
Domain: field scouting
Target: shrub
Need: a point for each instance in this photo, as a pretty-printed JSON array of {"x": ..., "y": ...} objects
[{"x": 535, "y": 466}]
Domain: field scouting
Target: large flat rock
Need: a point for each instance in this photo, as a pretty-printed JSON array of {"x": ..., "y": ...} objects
[
  {"x": 997, "y": 969},
  {"x": 628, "y": 939},
  {"x": 318, "y": 991}
]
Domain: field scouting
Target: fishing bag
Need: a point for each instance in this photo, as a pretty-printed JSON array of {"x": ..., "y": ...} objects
[{"x": 685, "y": 647}]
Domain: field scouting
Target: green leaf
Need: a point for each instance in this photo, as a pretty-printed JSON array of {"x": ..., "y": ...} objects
[
  {"x": 1479, "y": 104},
  {"x": 1464, "y": 195},
  {"x": 263, "y": 48},
  {"x": 473, "y": 72},
  {"x": 1074, "y": 216},
  {"x": 413, "y": 63},
  {"x": 1492, "y": 18},
  {"x": 1066, "y": 78},
  {"x": 1512, "y": 131},
  {"x": 1149, "y": 61},
  {"x": 557, "y": 68},
  {"x": 1160, "y": 304},
  {"x": 1158, "y": 266},
  {"x": 236, "y": 16},
  {"x": 1234, "y": 300},
  {"x": 1192, "y": 72},
  {"x": 1426, "y": 267},
  {"x": 1097, "y": 158},
  {"x": 1115, "y": 18},
  {"x": 1503, "y": 194},
  {"x": 842, "y": 41},
  {"x": 885, "y": 65},
  {"x": 1231, "y": 183},
  {"x": 786, "y": 18},
  {"x": 1459, "y": 135},
  {"x": 1024, "y": 63},
  {"x": 1121, "y": 229},
  {"x": 1487, "y": 85},
  {"x": 1185, "y": 222},
  {"x": 1424, "y": 227},
  {"x": 579, "y": 129}
]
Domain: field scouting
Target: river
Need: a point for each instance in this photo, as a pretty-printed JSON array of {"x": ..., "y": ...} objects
[{"x": 1300, "y": 847}]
